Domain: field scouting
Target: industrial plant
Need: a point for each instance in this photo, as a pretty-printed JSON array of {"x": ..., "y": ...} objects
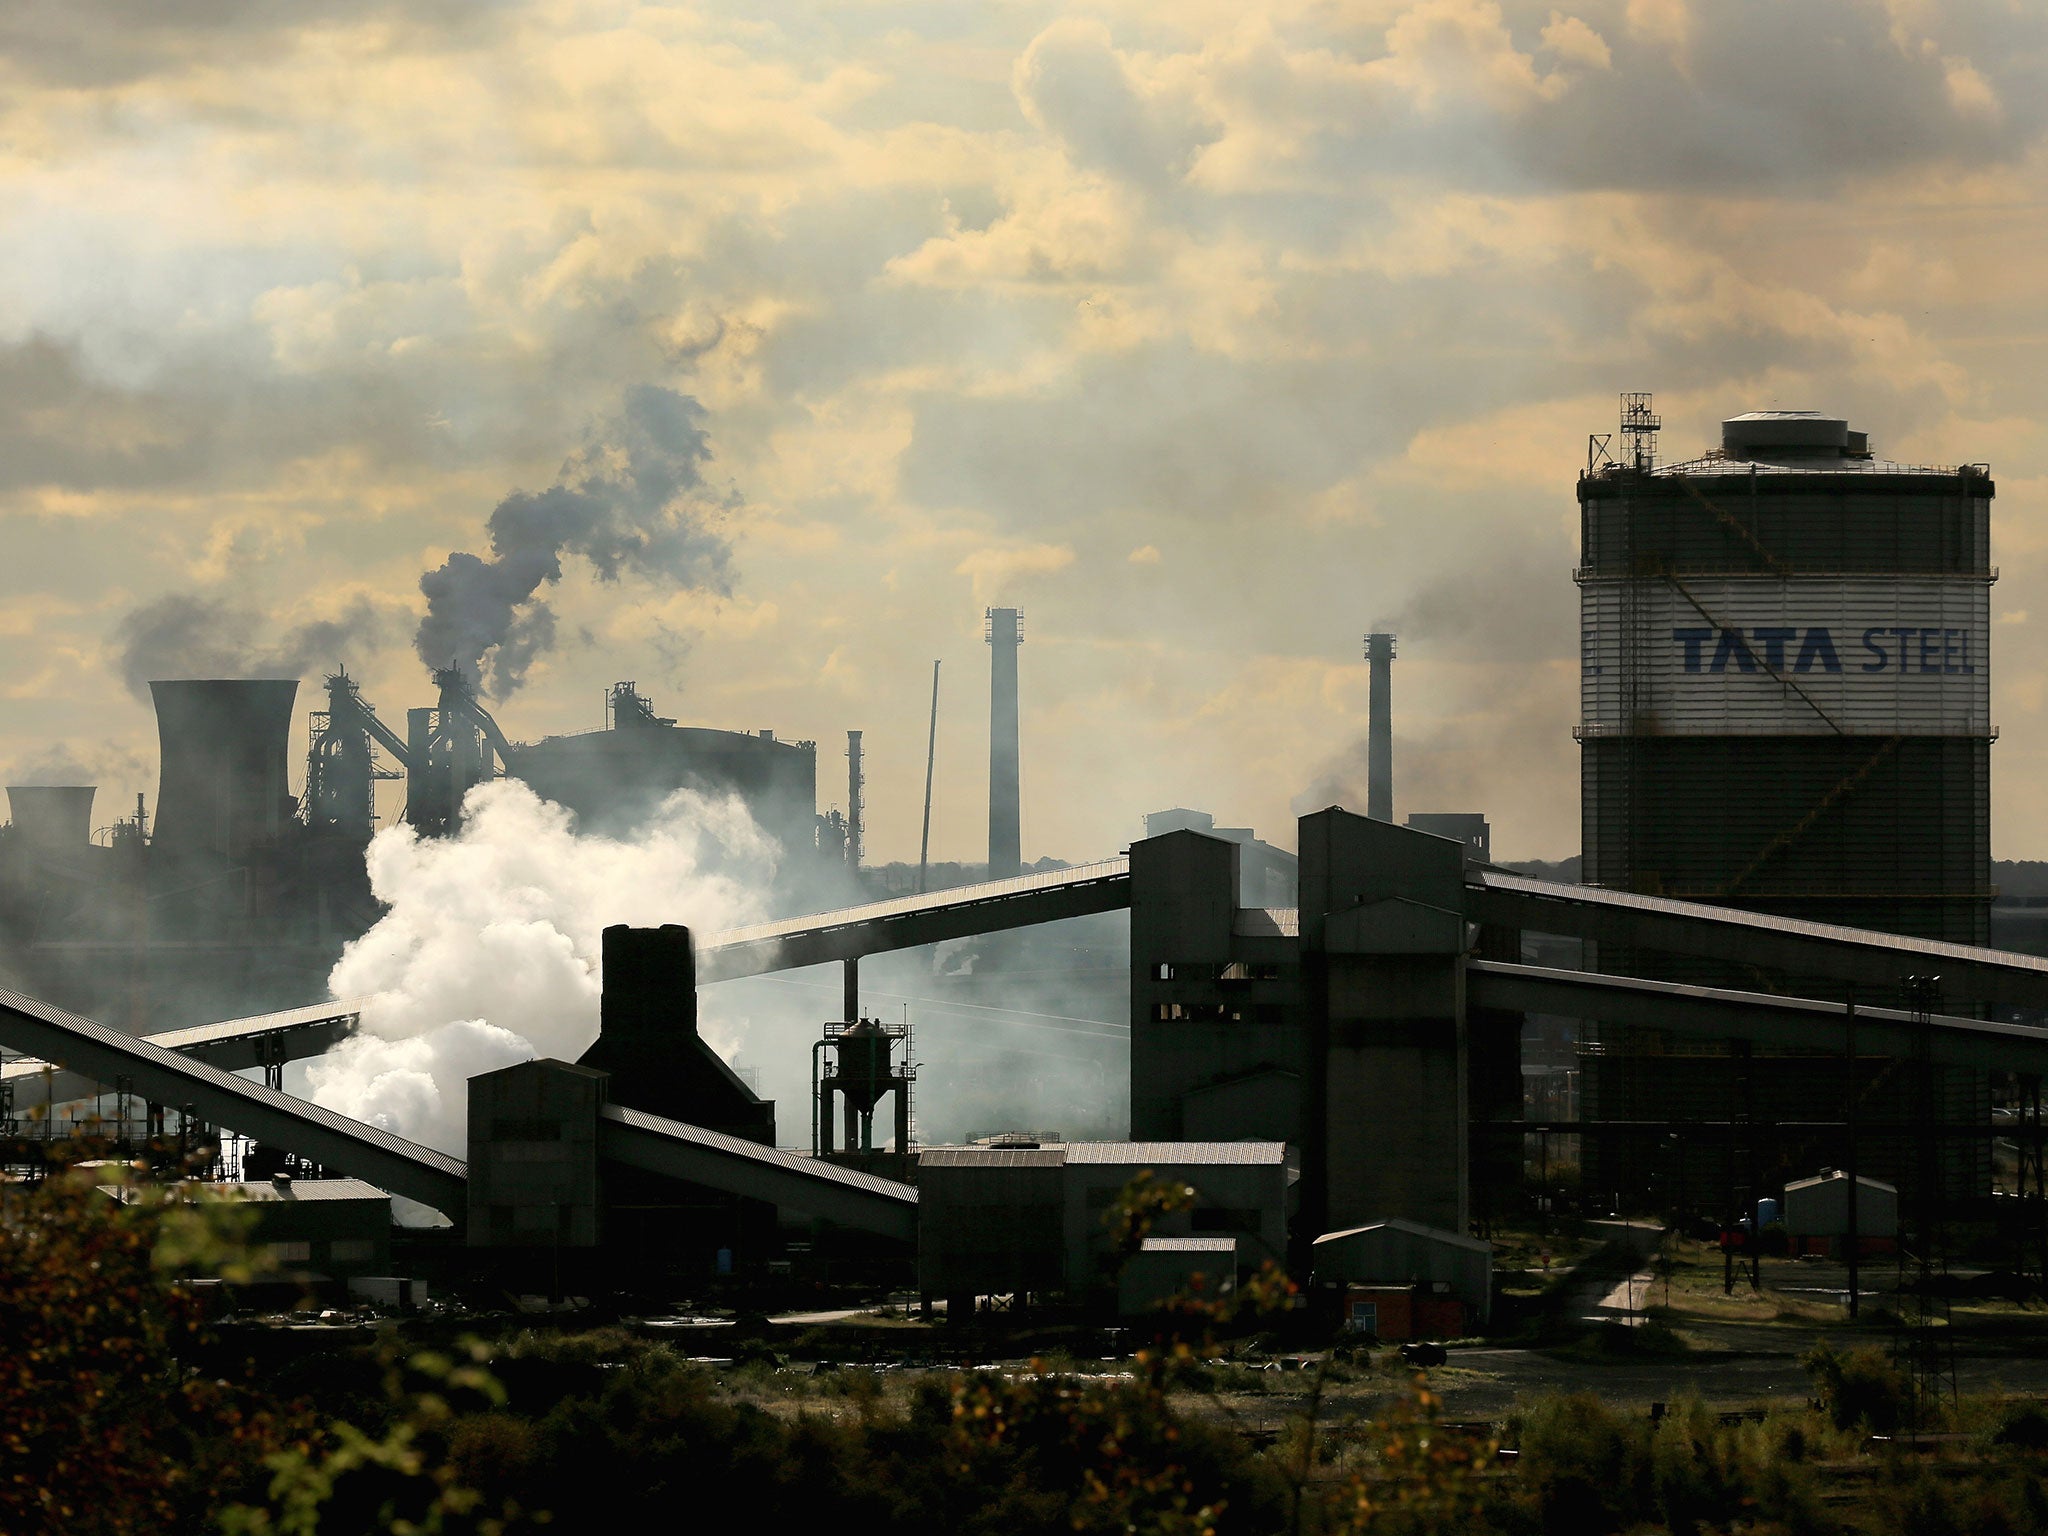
[{"x": 1770, "y": 988}]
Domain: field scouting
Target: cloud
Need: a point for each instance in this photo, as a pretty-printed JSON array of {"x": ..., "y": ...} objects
[{"x": 997, "y": 571}]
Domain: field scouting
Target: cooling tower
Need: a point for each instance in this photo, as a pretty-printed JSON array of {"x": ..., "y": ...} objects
[
  {"x": 52, "y": 818},
  {"x": 223, "y": 788}
]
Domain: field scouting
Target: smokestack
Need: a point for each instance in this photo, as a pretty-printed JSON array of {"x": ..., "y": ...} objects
[
  {"x": 1005, "y": 632},
  {"x": 854, "y": 807},
  {"x": 1379, "y": 738},
  {"x": 52, "y": 820},
  {"x": 223, "y": 787}
]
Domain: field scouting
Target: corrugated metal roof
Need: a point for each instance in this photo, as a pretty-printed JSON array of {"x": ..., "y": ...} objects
[
  {"x": 753, "y": 1151},
  {"x": 1863, "y": 1179},
  {"x": 991, "y": 1157},
  {"x": 1189, "y": 1245},
  {"x": 1267, "y": 923},
  {"x": 267, "y": 1191},
  {"x": 1133, "y": 1154},
  {"x": 1411, "y": 1229},
  {"x": 307, "y": 1189}
]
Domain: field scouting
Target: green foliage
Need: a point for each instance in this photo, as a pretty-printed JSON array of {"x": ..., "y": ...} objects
[
  {"x": 1858, "y": 1391},
  {"x": 410, "y": 1479},
  {"x": 102, "y": 1428}
]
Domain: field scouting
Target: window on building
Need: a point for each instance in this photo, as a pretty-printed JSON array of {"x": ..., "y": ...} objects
[
  {"x": 289, "y": 1253},
  {"x": 351, "y": 1250}
]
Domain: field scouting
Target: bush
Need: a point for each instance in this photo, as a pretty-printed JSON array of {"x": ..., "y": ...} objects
[{"x": 1859, "y": 1390}]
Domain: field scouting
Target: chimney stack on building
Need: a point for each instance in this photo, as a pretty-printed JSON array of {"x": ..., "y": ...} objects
[
  {"x": 1379, "y": 740},
  {"x": 1005, "y": 632}
]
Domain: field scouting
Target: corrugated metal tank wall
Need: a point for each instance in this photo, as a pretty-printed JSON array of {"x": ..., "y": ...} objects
[{"x": 1832, "y": 759}]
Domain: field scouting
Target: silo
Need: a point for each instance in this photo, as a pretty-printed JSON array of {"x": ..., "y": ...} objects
[
  {"x": 52, "y": 820},
  {"x": 1786, "y": 679},
  {"x": 223, "y": 788},
  {"x": 1785, "y": 693}
]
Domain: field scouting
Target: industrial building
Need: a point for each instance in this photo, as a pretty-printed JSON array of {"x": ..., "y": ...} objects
[
  {"x": 236, "y": 896},
  {"x": 1011, "y": 1220},
  {"x": 1400, "y": 1280},
  {"x": 1785, "y": 708}
]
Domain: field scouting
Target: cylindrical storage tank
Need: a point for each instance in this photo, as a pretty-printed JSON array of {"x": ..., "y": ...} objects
[
  {"x": 223, "y": 787},
  {"x": 1785, "y": 681},
  {"x": 1785, "y": 707},
  {"x": 52, "y": 819}
]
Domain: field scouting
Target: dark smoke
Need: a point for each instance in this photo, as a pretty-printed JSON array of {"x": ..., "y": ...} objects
[
  {"x": 632, "y": 500},
  {"x": 185, "y": 634}
]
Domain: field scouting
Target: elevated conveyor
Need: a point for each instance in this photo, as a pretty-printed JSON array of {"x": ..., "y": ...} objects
[
  {"x": 334, "y": 1140},
  {"x": 1719, "y": 1013},
  {"x": 754, "y": 1172},
  {"x": 905, "y": 922},
  {"x": 261, "y": 1040},
  {"x": 1881, "y": 961}
]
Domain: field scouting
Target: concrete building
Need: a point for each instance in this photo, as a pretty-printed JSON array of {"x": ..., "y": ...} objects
[
  {"x": 1467, "y": 827},
  {"x": 1339, "y": 1026},
  {"x": 306, "y": 1230},
  {"x": 1033, "y": 1220},
  {"x": 1382, "y": 1259},
  {"x": 1817, "y": 1213},
  {"x": 1166, "y": 1270},
  {"x": 1267, "y": 876}
]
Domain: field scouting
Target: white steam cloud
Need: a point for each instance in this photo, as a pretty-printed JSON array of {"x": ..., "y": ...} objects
[{"x": 489, "y": 952}]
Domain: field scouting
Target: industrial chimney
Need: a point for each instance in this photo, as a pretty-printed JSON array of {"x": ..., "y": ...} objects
[
  {"x": 52, "y": 820},
  {"x": 223, "y": 788},
  {"x": 855, "y": 808},
  {"x": 1005, "y": 632},
  {"x": 1379, "y": 735}
]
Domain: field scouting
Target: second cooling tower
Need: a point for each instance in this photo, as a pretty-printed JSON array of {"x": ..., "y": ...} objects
[{"x": 223, "y": 788}]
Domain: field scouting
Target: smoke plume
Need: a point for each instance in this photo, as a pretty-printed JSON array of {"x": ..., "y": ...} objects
[
  {"x": 187, "y": 634},
  {"x": 632, "y": 500},
  {"x": 489, "y": 952}
]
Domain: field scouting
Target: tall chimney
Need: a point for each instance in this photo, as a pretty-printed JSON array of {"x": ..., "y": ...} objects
[
  {"x": 854, "y": 808},
  {"x": 1379, "y": 738},
  {"x": 1005, "y": 633},
  {"x": 223, "y": 787}
]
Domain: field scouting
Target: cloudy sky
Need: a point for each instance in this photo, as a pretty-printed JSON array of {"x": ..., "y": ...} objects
[{"x": 1210, "y": 335}]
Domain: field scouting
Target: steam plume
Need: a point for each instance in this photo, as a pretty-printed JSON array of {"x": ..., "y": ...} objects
[
  {"x": 632, "y": 500},
  {"x": 186, "y": 634},
  {"x": 490, "y": 948}
]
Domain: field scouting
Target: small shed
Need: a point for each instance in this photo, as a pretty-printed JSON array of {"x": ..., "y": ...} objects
[
  {"x": 1817, "y": 1212},
  {"x": 1405, "y": 1254},
  {"x": 1166, "y": 1269}
]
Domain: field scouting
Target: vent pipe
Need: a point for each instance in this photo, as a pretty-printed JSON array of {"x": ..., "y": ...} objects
[
  {"x": 1379, "y": 738},
  {"x": 1005, "y": 632},
  {"x": 223, "y": 788}
]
